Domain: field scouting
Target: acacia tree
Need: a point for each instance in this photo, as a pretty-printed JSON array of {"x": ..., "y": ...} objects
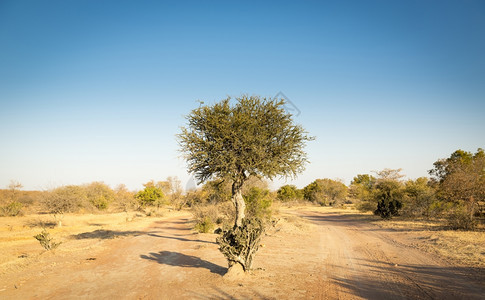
[
  {"x": 461, "y": 181},
  {"x": 253, "y": 136}
]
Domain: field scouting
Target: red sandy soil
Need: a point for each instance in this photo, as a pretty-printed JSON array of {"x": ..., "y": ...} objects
[{"x": 320, "y": 255}]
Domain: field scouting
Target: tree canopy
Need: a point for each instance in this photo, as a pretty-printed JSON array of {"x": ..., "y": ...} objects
[
  {"x": 461, "y": 181},
  {"x": 253, "y": 136}
]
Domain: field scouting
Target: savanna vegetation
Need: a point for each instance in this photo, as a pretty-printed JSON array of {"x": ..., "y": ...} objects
[
  {"x": 234, "y": 150},
  {"x": 454, "y": 193}
]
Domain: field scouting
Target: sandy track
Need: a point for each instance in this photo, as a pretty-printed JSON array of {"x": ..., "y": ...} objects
[
  {"x": 331, "y": 256},
  {"x": 363, "y": 261}
]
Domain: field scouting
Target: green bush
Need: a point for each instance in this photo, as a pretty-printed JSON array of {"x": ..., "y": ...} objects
[
  {"x": 258, "y": 203},
  {"x": 99, "y": 195},
  {"x": 288, "y": 193},
  {"x": 365, "y": 206},
  {"x": 12, "y": 209},
  {"x": 46, "y": 241},
  {"x": 325, "y": 191},
  {"x": 206, "y": 225},
  {"x": 389, "y": 194},
  {"x": 151, "y": 195}
]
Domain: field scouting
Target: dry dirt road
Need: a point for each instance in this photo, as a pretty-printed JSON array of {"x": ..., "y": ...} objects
[{"x": 325, "y": 256}]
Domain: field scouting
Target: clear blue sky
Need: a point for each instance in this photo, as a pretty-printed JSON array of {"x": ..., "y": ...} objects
[{"x": 97, "y": 90}]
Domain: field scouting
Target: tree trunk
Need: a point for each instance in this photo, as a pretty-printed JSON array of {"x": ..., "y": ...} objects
[
  {"x": 239, "y": 203},
  {"x": 58, "y": 218}
]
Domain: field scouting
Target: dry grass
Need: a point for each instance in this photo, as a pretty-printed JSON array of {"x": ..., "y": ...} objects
[
  {"x": 461, "y": 247},
  {"x": 80, "y": 232}
]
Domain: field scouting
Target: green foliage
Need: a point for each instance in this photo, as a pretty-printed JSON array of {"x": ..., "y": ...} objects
[
  {"x": 46, "y": 240},
  {"x": 258, "y": 203},
  {"x": 389, "y": 195},
  {"x": 362, "y": 189},
  {"x": 314, "y": 193},
  {"x": 151, "y": 195},
  {"x": 460, "y": 180},
  {"x": 365, "y": 180},
  {"x": 419, "y": 197},
  {"x": 195, "y": 197},
  {"x": 217, "y": 190},
  {"x": 99, "y": 195},
  {"x": 240, "y": 243},
  {"x": 11, "y": 210},
  {"x": 206, "y": 225},
  {"x": 254, "y": 182},
  {"x": 325, "y": 191},
  {"x": 459, "y": 158},
  {"x": 289, "y": 193},
  {"x": 253, "y": 136}
]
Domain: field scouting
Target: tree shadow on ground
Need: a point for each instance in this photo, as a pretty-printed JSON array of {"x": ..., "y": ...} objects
[
  {"x": 183, "y": 221},
  {"x": 105, "y": 234},
  {"x": 387, "y": 281},
  {"x": 179, "y": 238},
  {"x": 364, "y": 222},
  {"x": 182, "y": 260},
  {"x": 40, "y": 223}
]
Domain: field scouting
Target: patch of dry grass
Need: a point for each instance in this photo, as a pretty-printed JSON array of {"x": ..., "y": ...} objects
[
  {"x": 467, "y": 247},
  {"x": 461, "y": 247}
]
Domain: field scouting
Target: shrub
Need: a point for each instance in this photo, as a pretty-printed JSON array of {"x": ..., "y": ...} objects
[
  {"x": 12, "y": 209},
  {"x": 216, "y": 191},
  {"x": 208, "y": 216},
  {"x": 206, "y": 225},
  {"x": 461, "y": 217},
  {"x": 151, "y": 195},
  {"x": 46, "y": 241},
  {"x": 389, "y": 196},
  {"x": 99, "y": 195},
  {"x": 258, "y": 203},
  {"x": 460, "y": 179},
  {"x": 63, "y": 200},
  {"x": 240, "y": 243},
  {"x": 419, "y": 198},
  {"x": 288, "y": 193},
  {"x": 124, "y": 199},
  {"x": 13, "y": 206},
  {"x": 387, "y": 208},
  {"x": 325, "y": 191},
  {"x": 366, "y": 206}
]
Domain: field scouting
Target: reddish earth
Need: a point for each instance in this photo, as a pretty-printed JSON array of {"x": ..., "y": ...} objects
[{"x": 327, "y": 256}]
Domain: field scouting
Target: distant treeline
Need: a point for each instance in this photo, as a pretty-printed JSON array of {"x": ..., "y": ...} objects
[{"x": 455, "y": 191}]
